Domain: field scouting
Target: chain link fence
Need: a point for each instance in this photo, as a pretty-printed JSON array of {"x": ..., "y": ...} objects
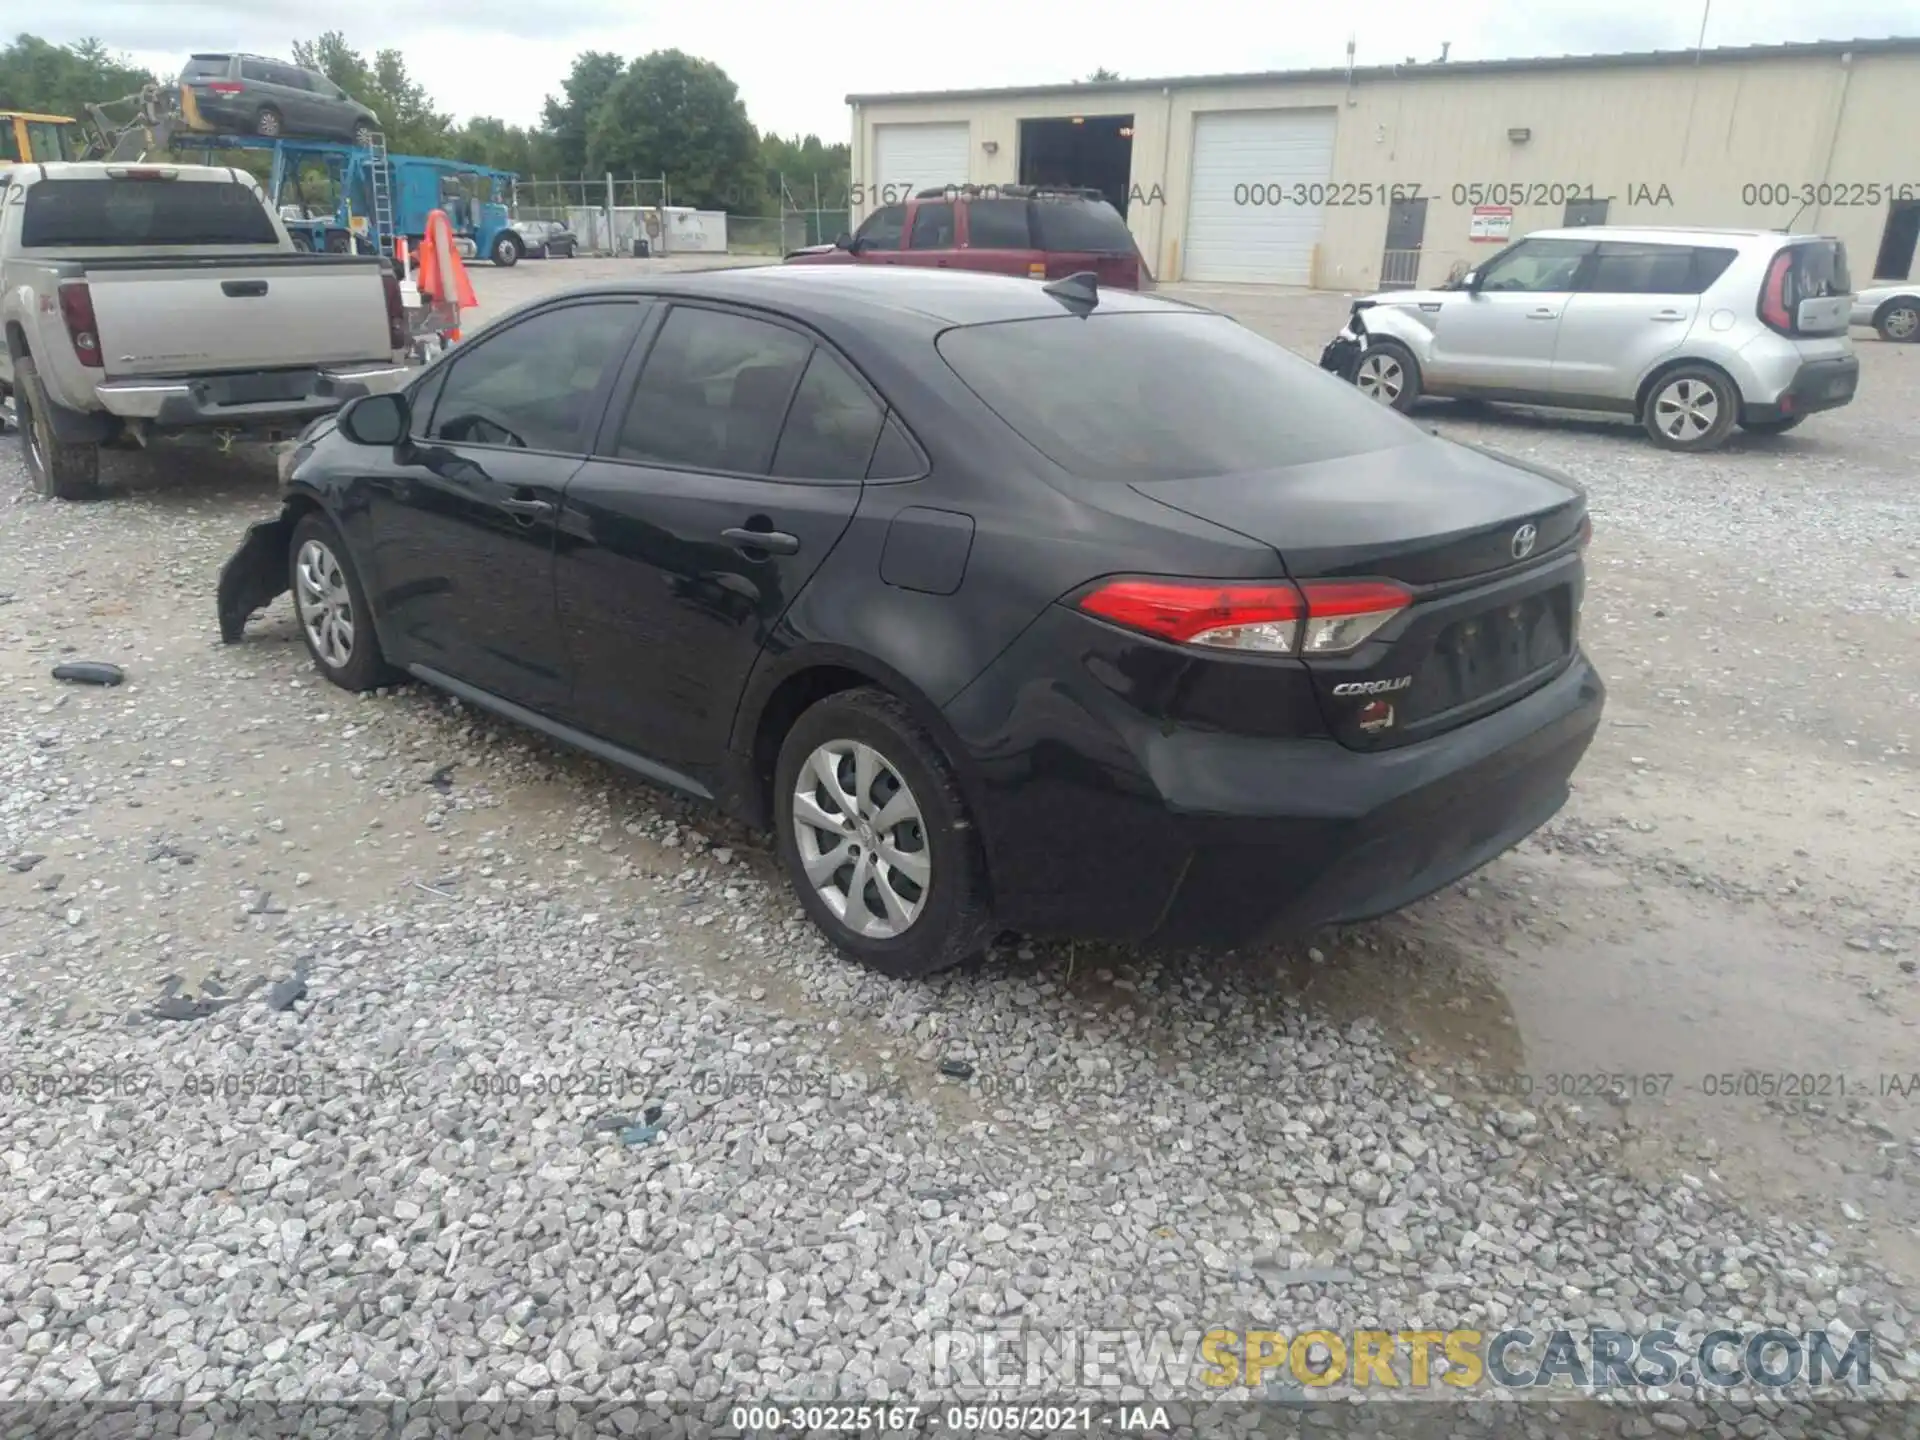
[{"x": 609, "y": 215}]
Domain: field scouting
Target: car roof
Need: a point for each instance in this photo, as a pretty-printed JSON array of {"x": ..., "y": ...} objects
[
  {"x": 1667, "y": 234},
  {"x": 842, "y": 292}
]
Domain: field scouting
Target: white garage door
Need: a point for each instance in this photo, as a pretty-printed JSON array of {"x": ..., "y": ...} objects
[
  {"x": 1246, "y": 221},
  {"x": 907, "y": 158}
]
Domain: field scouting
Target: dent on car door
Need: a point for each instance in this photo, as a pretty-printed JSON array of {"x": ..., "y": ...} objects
[
  {"x": 734, "y": 427},
  {"x": 462, "y": 517},
  {"x": 1500, "y": 337}
]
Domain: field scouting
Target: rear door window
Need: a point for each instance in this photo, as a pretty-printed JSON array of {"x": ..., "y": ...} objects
[
  {"x": 256, "y": 70},
  {"x": 206, "y": 67},
  {"x": 714, "y": 394},
  {"x": 831, "y": 427},
  {"x": 998, "y": 225},
  {"x": 933, "y": 226},
  {"x": 1628, "y": 269},
  {"x": 113, "y": 213},
  {"x": 1080, "y": 225}
]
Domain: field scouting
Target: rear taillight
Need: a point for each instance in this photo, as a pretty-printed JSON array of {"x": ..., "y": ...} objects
[
  {"x": 399, "y": 337},
  {"x": 226, "y": 87},
  {"x": 76, "y": 308},
  {"x": 1775, "y": 303},
  {"x": 1316, "y": 617},
  {"x": 1342, "y": 613}
]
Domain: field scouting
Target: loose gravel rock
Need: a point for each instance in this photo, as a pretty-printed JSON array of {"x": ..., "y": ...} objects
[{"x": 370, "y": 1050}]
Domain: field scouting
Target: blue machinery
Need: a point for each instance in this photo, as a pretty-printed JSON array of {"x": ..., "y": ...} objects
[{"x": 379, "y": 197}]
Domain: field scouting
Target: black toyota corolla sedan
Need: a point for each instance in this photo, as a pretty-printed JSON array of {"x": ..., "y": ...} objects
[{"x": 1003, "y": 604}]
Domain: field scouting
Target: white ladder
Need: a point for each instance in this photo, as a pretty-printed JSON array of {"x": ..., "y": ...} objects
[{"x": 380, "y": 191}]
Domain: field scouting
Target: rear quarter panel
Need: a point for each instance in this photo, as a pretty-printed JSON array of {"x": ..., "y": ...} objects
[{"x": 1033, "y": 542}]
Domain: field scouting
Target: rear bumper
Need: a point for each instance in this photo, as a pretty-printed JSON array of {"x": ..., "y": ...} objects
[
  {"x": 260, "y": 400},
  {"x": 1816, "y": 385},
  {"x": 1099, "y": 826}
]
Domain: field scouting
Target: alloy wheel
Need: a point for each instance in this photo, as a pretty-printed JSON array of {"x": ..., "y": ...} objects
[
  {"x": 1686, "y": 410},
  {"x": 1903, "y": 322},
  {"x": 861, "y": 838},
  {"x": 324, "y": 604},
  {"x": 1381, "y": 377}
]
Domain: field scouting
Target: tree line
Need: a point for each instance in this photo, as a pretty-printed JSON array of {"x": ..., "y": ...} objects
[{"x": 662, "y": 114}]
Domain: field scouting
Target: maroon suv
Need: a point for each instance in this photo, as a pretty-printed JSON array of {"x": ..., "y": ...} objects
[{"x": 1039, "y": 233}]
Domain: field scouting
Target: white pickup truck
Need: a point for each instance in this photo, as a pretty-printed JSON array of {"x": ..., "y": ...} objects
[{"x": 154, "y": 301}]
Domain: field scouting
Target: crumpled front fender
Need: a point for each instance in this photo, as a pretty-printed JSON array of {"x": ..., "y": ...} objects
[{"x": 254, "y": 575}]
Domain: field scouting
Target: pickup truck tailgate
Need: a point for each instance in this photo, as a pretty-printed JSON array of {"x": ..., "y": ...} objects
[{"x": 168, "y": 317}]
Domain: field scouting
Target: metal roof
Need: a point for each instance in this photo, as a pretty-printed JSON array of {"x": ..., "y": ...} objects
[{"x": 1730, "y": 54}]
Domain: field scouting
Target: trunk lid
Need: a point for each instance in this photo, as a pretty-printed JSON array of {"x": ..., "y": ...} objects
[
  {"x": 1423, "y": 514},
  {"x": 1491, "y": 549},
  {"x": 202, "y": 316}
]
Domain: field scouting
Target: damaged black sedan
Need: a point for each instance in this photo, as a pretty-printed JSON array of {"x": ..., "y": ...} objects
[{"x": 1003, "y": 605}]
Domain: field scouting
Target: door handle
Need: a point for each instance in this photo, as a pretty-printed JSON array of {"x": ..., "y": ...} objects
[
  {"x": 772, "y": 542},
  {"x": 1543, "y": 314},
  {"x": 1668, "y": 315},
  {"x": 243, "y": 289},
  {"x": 527, "y": 509}
]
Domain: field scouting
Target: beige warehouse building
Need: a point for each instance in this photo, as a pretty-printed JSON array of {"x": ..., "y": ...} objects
[{"x": 1356, "y": 179}]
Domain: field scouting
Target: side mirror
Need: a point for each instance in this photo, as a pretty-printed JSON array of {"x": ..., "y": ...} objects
[
  {"x": 1471, "y": 282},
  {"x": 847, "y": 243},
  {"x": 375, "y": 420}
]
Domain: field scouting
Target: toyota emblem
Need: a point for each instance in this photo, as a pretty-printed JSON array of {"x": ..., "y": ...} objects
[{"x": 1523, "y": 541}]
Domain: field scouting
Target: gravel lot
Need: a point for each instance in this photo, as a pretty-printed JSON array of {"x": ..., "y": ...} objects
[{"x": 733, "y": 1169}]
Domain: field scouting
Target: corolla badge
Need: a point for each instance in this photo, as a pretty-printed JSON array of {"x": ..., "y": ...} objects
[
  {"x": 1373, "y": 687},
  {"x": 1524, "y": 540}
]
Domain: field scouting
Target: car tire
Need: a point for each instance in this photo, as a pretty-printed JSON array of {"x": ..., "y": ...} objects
[
  {"x": 59, "y": 471},
  {"x": 507, "y": 251},
  {"x": 1388, "y": 373},
  {"x": 268, "y": 123},
  {"x": 1899, "y": 322},
  {"x": 1771, "y": 427},
  {"x": 934, "y": 922},
  {"x": 326, "y": 592},
  {"x": 1691, "y": 408}
]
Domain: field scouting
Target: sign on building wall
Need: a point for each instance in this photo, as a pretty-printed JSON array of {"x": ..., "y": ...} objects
[{"x": 1491, "y": 223}]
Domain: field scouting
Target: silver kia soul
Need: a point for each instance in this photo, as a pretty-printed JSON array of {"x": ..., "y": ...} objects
[{"x": 1690, "y": 331}]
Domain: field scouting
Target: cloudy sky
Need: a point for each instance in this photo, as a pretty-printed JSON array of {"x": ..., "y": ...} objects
[{"x": 796, "y": 60}]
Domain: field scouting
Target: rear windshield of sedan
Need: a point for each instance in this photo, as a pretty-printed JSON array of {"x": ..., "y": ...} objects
[{"x": 1165, "y": 396}]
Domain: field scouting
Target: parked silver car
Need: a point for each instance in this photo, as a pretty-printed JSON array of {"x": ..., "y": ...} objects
[
  {"x": 1689, "y": 331},
  {"x": 1893, "y": 310}
]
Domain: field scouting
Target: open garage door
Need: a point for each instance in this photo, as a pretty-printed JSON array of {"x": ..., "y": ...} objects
[
  {"x": 1245, "y": 219},
  {"x": 907, "y": 158}
]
